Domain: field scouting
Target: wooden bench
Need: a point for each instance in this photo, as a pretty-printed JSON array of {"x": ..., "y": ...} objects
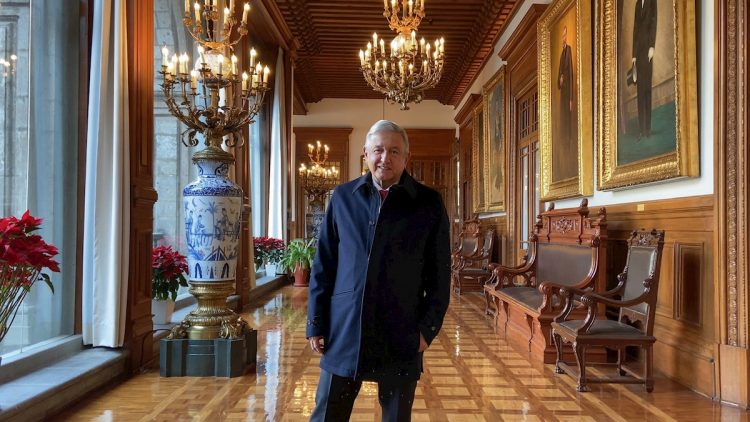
[{"x": 567, "y": 248}]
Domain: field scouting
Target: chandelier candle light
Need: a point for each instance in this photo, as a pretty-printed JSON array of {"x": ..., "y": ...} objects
[
  {"x": 217, "y": 100},
  {"x": 409, "y": 67}
]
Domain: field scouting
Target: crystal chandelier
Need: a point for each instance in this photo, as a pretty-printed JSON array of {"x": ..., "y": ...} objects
[
  {"x": 318, "y": 179},
  {"x": 214, "y": 98},
  {"x": 410, "y": 67}
]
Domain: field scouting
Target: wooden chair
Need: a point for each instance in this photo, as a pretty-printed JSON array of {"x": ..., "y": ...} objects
[
  {"x": 468, "y": 242},
  {"x": 471, "y": 271},
  {"x": 637, "y": 289}
]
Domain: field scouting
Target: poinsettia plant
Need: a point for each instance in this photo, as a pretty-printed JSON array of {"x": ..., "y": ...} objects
[
  {"x": 168, "y": 268},
  {"x": 23, "y": 256},
  {"x": 268, "y": 249}
]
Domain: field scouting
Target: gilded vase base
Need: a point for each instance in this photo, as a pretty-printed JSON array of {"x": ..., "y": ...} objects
[{"x": 211, "y": 319}]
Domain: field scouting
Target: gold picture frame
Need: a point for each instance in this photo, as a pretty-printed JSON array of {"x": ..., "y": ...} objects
[
  {"x": 495, "y": 140},
  {"x": 477, "y": 162},
  {"x": 647, "y": 119},
  {"x": 565, "y": 100}
]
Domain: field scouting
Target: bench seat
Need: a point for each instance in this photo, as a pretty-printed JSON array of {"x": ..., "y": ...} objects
[{"x": 567, "y": 248}]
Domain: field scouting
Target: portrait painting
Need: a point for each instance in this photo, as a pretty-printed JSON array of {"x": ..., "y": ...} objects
[
  {"x": 477, "y": 162},
  {"x": 565, "y": 86},
  {"x": 649, "y": 126},
  {"x": 493, "y": 101}
]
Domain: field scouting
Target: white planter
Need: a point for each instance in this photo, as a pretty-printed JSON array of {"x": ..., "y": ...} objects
[{"x": 162, "y": 311}]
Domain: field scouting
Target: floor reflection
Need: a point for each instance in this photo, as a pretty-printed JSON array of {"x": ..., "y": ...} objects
[{"x": 471, "y": 374}]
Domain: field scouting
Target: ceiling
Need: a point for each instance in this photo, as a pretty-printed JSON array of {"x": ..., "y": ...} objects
[{"x": 330, "y": 34}]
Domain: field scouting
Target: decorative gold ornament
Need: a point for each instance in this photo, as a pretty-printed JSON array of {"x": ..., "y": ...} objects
[{"x": 410, "y": 67}]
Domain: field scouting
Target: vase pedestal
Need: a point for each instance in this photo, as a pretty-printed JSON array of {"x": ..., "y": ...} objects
[{"x": 221, "y": 357}]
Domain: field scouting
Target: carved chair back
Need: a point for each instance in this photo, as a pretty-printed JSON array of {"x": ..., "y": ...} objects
[
  {"x": 567, "y": 246},
  {"x": 640, "y": 278},
  {"x": 469, "y": 239}
]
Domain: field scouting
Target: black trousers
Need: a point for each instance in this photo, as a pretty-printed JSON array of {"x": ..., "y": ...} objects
[
  {"x": 335, "y": 397},
  {"x": 643, "y": 88}
]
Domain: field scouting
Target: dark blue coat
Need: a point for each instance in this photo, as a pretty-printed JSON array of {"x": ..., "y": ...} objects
[{"x": 381, "y": 276}]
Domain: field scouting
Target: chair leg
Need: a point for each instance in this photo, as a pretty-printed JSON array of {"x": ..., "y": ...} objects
[
  {"x": 580, "y": 351},
  {"x": 559, "y": 347},
  {"x": 649, "y": 368},
  {"x": 620, "y": 360}
]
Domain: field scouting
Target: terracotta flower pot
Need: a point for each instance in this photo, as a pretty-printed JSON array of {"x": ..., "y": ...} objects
[{"x": 301, "y": 276}]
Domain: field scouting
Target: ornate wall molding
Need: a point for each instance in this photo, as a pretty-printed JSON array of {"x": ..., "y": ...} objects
[{"x": 732, "y": 184}]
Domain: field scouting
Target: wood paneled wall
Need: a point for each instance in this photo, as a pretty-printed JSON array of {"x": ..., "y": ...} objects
[
  {"x": 686, "y": 347},
  {"x": 142, "y": 195}
]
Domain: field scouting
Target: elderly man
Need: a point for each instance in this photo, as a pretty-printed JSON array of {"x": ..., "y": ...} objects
[{"x": 380, "y": 282}]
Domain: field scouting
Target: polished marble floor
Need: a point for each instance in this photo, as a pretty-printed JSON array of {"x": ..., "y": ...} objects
[{"x": 471, "y": 374}]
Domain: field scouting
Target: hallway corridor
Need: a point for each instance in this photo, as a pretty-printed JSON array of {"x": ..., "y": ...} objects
[{"x": 471, "y": 374}]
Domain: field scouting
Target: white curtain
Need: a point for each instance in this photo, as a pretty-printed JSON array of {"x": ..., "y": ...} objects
[
  {"x": 107, "y": 209},
  {"x": 277, "y": 209}
]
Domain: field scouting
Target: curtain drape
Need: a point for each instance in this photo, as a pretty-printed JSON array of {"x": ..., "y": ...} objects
[
  {"x": 277, "y": 209},
  {"x": 107, "y": 208}
]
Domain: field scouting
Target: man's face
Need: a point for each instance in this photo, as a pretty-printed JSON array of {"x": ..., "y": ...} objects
[{"x": 386, "y": 157}]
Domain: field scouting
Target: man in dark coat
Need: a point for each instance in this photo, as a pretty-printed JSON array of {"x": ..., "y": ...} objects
[
  {"x": 644, "y": 40},
  {"x": 380, "y": 282},
  {"x": 564, "y": 148}
]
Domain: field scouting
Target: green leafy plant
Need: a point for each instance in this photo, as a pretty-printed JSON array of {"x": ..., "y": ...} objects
[
  {"x": 298, "y": 251},
  {"x": 167, "y": 273}
]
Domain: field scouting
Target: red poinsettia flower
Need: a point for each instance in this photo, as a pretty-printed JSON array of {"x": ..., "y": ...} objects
[
  {"x": 167, "y": 272},
  {"x": 23, "y": 256}
]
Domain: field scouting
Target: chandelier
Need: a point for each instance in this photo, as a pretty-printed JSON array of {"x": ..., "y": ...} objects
[
  {"x": 214, "y": 98},
  {"x": 318, "y": 179},
  {"x": 409, "y": 67}
]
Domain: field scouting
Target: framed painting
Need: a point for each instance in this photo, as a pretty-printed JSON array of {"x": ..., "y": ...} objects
[
  {"x": 565, "y": 100},
  {"x": 647, "y": 88},
  {"x": 477, "y": 162},
  {"x": 493, "y": 104}
]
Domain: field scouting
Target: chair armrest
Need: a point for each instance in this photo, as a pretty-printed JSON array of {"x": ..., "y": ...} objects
[
  {"x": 567, "y": 294},
  {"x": 550, "y": 288},
  {"x": 502, "y": 276}
]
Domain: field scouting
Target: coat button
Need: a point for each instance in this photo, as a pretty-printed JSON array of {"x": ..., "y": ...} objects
[{"x": 433, "y": 328}]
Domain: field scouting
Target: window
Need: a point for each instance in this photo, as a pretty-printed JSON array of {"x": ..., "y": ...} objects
[
  {"x": 173, "y": 167},
  {"x": 529, "y": 205},
  {"x": 39, "y": 135},
  {"x": 259, "y": 156}
]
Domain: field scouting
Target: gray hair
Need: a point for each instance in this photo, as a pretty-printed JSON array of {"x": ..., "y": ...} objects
[{"x": 388, "y": 126}]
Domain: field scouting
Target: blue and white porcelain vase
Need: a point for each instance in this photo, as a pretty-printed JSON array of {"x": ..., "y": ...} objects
[{"x": 213, "y": 204}]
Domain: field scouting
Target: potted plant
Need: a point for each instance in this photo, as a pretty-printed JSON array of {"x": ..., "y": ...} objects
[
  {"x": 298, "y": 258},
  {"x": 23, "y": 256},
  {"x": 267, "y": 250},
  {"x": 167, "y": 275}
]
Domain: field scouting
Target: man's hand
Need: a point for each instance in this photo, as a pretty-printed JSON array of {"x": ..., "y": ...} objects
[
  {"x": 650, "y": 53},
  {"x": 422, "y": 343},
  {"x": 316, "y": 343}
]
